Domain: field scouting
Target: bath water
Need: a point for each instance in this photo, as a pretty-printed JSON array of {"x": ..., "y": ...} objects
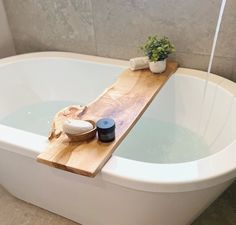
[
  {"x": 36, "y": 118},
  {"x": 155, "y": 141},
  {"x": 150, "y": 140}
]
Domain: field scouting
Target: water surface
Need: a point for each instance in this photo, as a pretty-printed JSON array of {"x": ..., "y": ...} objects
[
  {"x": 156, "y": 141},
  {"x": 36, "y": 118}
]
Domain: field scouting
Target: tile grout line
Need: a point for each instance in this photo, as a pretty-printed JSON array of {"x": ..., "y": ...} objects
[{"x": 93, "y": 24}]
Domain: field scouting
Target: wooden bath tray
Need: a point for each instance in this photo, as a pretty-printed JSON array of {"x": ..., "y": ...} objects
[{"x": 125, "y": 101}]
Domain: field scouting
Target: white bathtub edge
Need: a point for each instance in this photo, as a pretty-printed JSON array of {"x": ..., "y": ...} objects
[
  {"x": 67, "y": 55},
  {"x": 22, "y": 142},
  {"x": 179, "y": 177}
]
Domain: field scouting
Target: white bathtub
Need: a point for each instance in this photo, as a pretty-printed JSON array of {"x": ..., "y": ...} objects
[{"x": 129, "y": 190}]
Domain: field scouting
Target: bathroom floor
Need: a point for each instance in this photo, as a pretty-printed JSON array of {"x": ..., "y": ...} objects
[{"x": 14, "y": 211}]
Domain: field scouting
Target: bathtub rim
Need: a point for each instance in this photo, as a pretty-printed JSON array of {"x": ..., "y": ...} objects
[
  {"x": 115, "y": 171},
  {"x": 63, "y": 55}
]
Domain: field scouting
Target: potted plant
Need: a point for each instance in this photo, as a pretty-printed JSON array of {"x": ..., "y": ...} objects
[{"x": 157, "y": 50}]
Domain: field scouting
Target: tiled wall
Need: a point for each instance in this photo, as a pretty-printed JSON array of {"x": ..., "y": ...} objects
[
  {"x": 6, "y": 42},
  {"x": 116, "y": 28}
]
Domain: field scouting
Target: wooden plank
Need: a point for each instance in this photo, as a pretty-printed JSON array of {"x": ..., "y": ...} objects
[{"x": 125, "y": 101}]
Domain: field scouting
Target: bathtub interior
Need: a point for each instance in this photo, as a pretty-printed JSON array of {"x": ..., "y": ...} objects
[
  {"x": 181, "y": 124},
  {"x": 33, "y": 90},
  {"x": 177, "y": 127}
]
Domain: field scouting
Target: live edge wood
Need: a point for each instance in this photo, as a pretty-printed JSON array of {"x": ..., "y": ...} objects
[{"x": 125, "y": 101}]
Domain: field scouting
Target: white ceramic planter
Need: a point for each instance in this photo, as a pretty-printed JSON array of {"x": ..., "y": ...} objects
[{"x": 158, "y": 67}]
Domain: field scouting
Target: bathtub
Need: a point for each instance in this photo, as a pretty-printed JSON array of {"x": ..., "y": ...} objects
[{"x": 164, "y": 174}]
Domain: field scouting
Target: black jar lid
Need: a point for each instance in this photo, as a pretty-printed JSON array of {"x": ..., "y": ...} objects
[{"x": 105, "y": 125}]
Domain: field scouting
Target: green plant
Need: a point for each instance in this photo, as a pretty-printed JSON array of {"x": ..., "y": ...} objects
[{"x": 157, "y": 49}]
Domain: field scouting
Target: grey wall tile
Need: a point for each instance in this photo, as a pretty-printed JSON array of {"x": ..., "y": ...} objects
[
  {"x": 191, "y": 60},
  {"x": 117, "y": 28},
  {"x": 223, "y": 66},
  {"x": 6, "y": 42},
  {"x": 233, "y": 78},
  {"x": 122, "y": 26},
  {"x": 118, "y": 51},
  {"x": 65, "y": 25},
  {"x": 226, "y": 45},
  {"x": 189, "y": 24}
]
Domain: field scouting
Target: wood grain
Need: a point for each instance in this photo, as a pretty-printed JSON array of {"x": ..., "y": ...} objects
[{"x": 125, "y": 101}]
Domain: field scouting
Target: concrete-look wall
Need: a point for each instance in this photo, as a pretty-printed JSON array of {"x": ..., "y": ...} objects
[
  {"x": 116, "y": 28},
  {"x": 6, "y": 42}
]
